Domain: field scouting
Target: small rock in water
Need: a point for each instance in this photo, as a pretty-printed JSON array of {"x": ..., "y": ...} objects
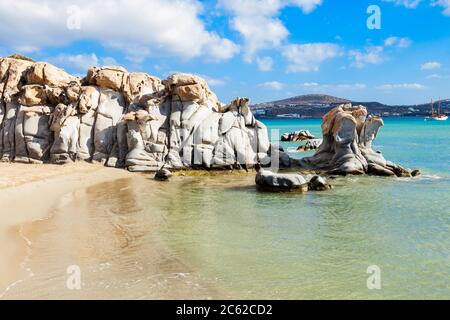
[
  {"x": 273, "y": 182},
  {"x": 416, "y": 173},
  {"x": 163, "y": 175},
  {"x": 318, "y": 183}
]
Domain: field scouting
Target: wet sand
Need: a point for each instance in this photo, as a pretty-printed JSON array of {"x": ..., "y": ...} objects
[{"x": 54, "y": 217}]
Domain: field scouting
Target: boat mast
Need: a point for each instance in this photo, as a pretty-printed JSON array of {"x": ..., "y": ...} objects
[
  {"x": 432, "y": 108},
  {"x": 439, "y": 107}
]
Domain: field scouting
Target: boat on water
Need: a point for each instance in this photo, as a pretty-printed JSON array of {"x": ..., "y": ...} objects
[{"x": 437, "y": 116}]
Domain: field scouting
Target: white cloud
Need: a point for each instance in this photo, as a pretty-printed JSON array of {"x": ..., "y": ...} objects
[
  {"x": 306, "y": 5},
  {"x": 310, "y": 84},
  {"x": 258, "y": 23},
  {"x": 410, "y": 4},
  {"x": 397, "y": 42},
  {"x": 24, "y": 49},
  {"x": 436, "y": 76},
  {"x": 78, "y": 62},
  {"x": 109, "y": 61},
  {"x": 334, "y": 87},
  {"x": 371, "y": 55},
  {"x": 409, "y": 86},
  {"x": 445, "y": 4},
  {"x": 213, "y": 82},
  {"x": 308, "y": 57},
  {"x": 430, "y": 65},
  {"x": 413, "y": 4},
  {"x": 272, "y": 85},
  {"x": 81, "y": 62},
  {"x": 265, "y": 64},
  {"x": 154, "y": 27}
]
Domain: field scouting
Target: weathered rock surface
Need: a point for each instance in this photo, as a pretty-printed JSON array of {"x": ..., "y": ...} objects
[
  {"x": 163, "y": 175},
  {"x": 318, "y": 183},
  {"x": 122, "y": 119},
  {"x": 301, "y": 135},
  {"x": 139, "y": 122},
  {"x": 347, "y": 145},
  {"x": 268, "y": 181},
  {"x": 313, "y": 144}
]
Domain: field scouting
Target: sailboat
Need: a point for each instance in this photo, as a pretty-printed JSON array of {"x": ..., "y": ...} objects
[{"x": 437, "y": 116}]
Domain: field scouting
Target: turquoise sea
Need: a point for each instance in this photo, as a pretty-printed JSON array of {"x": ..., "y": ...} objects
[
  {"x": 319, "y": 245},
  {"x": 216, "y": 236}
]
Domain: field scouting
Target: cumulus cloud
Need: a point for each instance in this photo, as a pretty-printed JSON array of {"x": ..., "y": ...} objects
[
  {"x": 436, "y": 76},
  {"x": 213, "y": 82},
  {"x": 264, "y": 64},
  {"x": 430, "y": 65},
  {"x": 258, "y": 23},
  {"x": 409, "y": 86},
  {"x": 308, "y": 57},
  {"x": 445, "y": 4},
  {"x": 334, "y": 87},
  {"x": 413, "y": 4},
  {"x": 272, "y": 85},
  {"x": 397, "y": 42},
  {"x": 80, "y": 63},
  {"x": 371, "y": 55},
  {"x": 410, "y": 4},
  {"x": 77, "y": 62},
  {"x": 129, "y": 26}
]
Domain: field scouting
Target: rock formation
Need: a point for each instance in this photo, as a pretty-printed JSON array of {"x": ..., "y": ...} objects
[
  {"x": 122, "y": 119},
  {"x": 136, "y": 121},
  {"x": 273, "y": 182},
  {"x": 348, "y": 133},
  {"x": 292, "y": 182},
  {"x": 301, "y": 135},
  {"x": 313, "y": 144}
]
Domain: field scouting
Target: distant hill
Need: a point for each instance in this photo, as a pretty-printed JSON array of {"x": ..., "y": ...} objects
[
  {"x": 316, "y": 105},
  {"x": 309, "y": 99}
]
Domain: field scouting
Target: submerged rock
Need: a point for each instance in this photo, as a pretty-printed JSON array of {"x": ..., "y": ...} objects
[
  {"x": 163, "y": 175},
  {"x": 273, "y": 182},
  {"x": 318, "y": 183},
  {"x": 416, "y": 173}
]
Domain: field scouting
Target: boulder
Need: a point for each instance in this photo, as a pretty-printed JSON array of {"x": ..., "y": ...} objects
[
  {"x": 273, "y": 182},
  {"x": 163, "y": 175},
  {"x": 295, "y": 136},
  {"x": 46, "y": 74},
  {"x": 33, "y": 135},
  {"x": 415, "y": 173},
  {"x": 33, "y": 95},
  {"x": 347, "y": 145},
  {"x": 313, "y": 144},
  {"x": 318, "y": 183}
]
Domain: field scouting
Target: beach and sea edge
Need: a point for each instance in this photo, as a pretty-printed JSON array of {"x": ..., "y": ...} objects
[{"x": 216, "y": 237}]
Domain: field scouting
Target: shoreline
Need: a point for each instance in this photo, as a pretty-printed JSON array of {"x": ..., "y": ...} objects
[
  {"x": 41, "y": 185},
  {"x": 61, "y": 201}
]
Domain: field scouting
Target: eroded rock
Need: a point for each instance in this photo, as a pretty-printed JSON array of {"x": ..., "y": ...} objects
[
  {"x": 347, "y": 145},
  {"x": 318, "y": 183},
  {"x": 310, "y": 145},
  {"x": 302, "y": 135},
  {"x": 163, "y": 175},
  {"x": 273, "y": 182}
]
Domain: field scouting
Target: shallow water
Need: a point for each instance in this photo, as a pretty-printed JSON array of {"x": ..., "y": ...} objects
[{"x": 206, "y": 237}]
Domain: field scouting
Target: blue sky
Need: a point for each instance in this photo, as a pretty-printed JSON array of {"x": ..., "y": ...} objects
[{"x": 262, "y": 49}]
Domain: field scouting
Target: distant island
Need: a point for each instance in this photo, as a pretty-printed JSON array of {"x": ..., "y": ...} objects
[{"x": 316, "y": 105}]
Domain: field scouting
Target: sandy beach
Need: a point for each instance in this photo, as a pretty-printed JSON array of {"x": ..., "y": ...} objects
[
  {"x": 48, "y": 222},
  {"x": 27, "y": 193}
]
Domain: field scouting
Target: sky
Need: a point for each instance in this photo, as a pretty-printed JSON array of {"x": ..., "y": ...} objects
[{"x": 391, "y": 51}]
